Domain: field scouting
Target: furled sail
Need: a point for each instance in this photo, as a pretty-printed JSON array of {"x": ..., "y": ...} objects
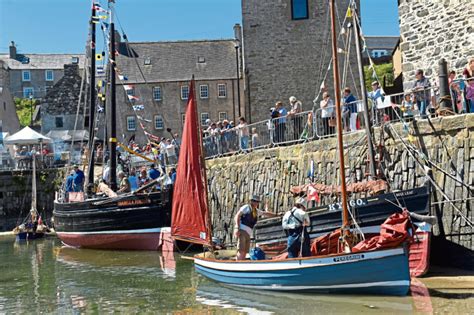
[{"x": 190, "y": 212}]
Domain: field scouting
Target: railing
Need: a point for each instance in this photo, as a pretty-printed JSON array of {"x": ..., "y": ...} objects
[{"x": 306, "y": 126}]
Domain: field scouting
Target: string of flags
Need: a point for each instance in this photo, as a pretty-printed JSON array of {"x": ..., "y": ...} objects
[{"x": 138, "y": 107}]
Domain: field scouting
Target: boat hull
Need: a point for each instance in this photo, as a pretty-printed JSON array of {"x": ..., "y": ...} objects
[
  {"x": 130, "y": 223},
  {"x": 382, "y": 272},
  {"x": 29, "y": 236}
]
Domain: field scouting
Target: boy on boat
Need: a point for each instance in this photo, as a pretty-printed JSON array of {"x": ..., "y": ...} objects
[
  {"x": 295, "y": 222},
  {"x": 245, "y": 220}
]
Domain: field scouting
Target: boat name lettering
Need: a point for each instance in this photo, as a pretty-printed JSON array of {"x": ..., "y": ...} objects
[
  {"x": 133, "y": 202},
  {"x": 353, "y": 203},
  {"x": 348, "y": 258},
  {"x": 404, "y": 193}
]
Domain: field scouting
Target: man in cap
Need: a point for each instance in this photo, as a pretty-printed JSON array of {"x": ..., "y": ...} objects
[
  {"x": 245, "y": 220},
  {"x": 78, "y": 179},
  {"x": 295, "y": 222}
]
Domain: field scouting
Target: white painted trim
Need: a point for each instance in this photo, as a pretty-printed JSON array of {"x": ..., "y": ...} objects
[
  {"x": 289, "y": 264},
  {"x": 153, "y": 230},
  {"x": 336, "y": 286}
]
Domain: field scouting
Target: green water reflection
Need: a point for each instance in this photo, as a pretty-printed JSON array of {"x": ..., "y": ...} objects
[{"x": 44, "y": 277}]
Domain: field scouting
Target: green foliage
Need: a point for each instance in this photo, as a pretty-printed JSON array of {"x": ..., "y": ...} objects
[
  {"x": 382, "y": 70},
  {"x": 23, "y": 109}
]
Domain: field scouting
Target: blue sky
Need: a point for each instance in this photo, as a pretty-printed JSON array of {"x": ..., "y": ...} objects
[{"x": 61, "y": 26}]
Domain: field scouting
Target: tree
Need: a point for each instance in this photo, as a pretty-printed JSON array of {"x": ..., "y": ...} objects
[
  {"x": 24, "y": 110},
  {"x": 382, "y": 70}
]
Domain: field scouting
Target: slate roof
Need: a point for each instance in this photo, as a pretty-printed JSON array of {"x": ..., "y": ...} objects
[
  {"x": 41, "y": 61},
  {"x": 178, "y": 61},
  {"x": 381, "y": 42}
]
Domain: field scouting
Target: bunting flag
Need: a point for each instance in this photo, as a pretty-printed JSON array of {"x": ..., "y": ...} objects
[
  {"x": 323, "y": 86},
  {"x": 100, "y": 83},
  {"x": 152, "y": 137},
  {"x": 311, "y": 170},
  {"x": 100, "y": 109},
  {"x": 105, "y": 24},
  {"x": 138, "y": 107},
  {"x": 122, "y": 77},
  {"x": 349, "y": 13},
  {"x": 128, "y": 87},
  {"x": 312, "y": 194},
  {"x": 103, "y": 17},
  {"x": 95, "y": 19},
  {"x": 411, "y": 139},
  {"x": 133, "y": 97},
  {"x": 100, "y": 70},
  {"x": 92, "y": 44},
  {"x": 98, "y": 8},
  {"x": 98, "y": 57}
]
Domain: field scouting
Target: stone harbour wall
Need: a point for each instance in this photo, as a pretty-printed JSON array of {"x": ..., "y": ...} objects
[
  {"x": 15, "y": 195},
  {"x": 431, "y": 30},
  {"x": 448, "y": 142}
]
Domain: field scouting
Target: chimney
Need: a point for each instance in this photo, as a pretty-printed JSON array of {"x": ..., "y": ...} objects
[
  {"x": 12, "y": 50},
  {"x": 238, "y": 32}
]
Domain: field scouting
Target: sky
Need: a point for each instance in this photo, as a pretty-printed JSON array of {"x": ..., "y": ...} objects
[{"x": 61, "y": 26}]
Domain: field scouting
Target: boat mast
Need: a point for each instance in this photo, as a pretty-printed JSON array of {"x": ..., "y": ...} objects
[
  {"x": 337, "y": 96},
  {"x": 33, "y": 184},
  {"x": 113, "y": 113},
  {"x": 368, "y": 125},
  {"x": 90, "y": 173}
]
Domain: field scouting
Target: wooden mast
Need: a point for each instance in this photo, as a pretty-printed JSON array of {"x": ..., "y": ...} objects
[
  {"x": 337, "y": 96},
  {"x": 92, "y": 108},
  {"x": 113, "y": 110}
]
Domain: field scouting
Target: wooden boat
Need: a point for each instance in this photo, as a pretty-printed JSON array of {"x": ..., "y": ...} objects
[
  {"x": 383, "y": 271},
  {"x": 135, "y": 221}
]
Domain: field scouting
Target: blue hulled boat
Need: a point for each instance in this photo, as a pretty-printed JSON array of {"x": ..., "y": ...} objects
[{"x": 382, "y": 272}]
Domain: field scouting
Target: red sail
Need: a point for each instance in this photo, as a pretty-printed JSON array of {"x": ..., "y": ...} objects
[{"x": 190, "y": 213}]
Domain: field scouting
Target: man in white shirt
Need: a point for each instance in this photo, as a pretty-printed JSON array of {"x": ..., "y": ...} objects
[
  {"x": 244, "y": 222},
  {"x": 295, "y": 222}
]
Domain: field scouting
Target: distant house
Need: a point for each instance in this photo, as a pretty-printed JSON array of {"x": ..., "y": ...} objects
[
  {"x": 381, "y": 46},
  {"x": 35, "y": 74},
  {"x": 60, "y": 105},
  {"x": 159, "y": 88},
  {"x": 8, "y": 118}
]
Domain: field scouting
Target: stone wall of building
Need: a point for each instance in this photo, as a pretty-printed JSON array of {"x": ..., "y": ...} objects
[
  {"x": 448, "y": 142},
  {"x": 431, "y": 30},
  {"x": 8, "y": 117},
  {"x": 15, "y": 195},
  {"x": 285, "y": 57}
]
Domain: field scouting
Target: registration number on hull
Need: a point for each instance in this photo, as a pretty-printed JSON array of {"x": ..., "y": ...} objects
[{"x": 353, "y": 203}]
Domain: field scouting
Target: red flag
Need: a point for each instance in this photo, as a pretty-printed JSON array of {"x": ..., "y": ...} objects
[
  {"x": 312, "y": 194},
  {"x": 190, "y": 213}
]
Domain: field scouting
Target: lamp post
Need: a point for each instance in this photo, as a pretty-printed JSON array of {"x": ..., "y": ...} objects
[
  {"x": 238, "y": 76},
  {"x": 31, "y": 104}
]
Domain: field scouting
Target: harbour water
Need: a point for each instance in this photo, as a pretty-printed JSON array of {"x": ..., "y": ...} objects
[{"x": 45, "y": 277}]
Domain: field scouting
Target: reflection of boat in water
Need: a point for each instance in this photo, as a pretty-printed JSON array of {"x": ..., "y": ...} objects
[
  {"x": 123, "y": 262},
  {"x": 265, "y": 302}
]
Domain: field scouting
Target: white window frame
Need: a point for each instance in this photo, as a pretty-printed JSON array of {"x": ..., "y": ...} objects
[
  {"x": 25, "y": 72},
  {"x": 204, "y": 117},
  {"x": 184, "y": 92},
  {"x": 155, "y": 121},
  {"x": 46, "y": 72},
  {"x": 219, "y": 86},
  {"x": 131, "y": 119},
  {"x": 222, "y": 116},
  {"x": 157, "y": 88},
  {"x": 204, "y": 91},
  {"x": 27, "y": 94}
]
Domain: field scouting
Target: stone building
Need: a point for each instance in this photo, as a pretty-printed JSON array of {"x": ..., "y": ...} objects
[
  {"x": 287, "y": 50},
  {"x": 59, "y": 106},
  {"x": 167, "y": 68},
  {"x": 431, "y": 30},
  {"x": 381, "y": 46},
  {"x": 8, "y": 118},
  {"x": 35, "y": 74}
]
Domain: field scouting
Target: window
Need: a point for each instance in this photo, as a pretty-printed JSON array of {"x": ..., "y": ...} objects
[
  {"x": 49, "y": 75},
  {"x": 184, "y": 92},
  {"x": 147, "y": 61},
  {"x": 204, "y": 117},
  {"x": 26, "y": 75},
  {"x": 299, "y": 9},
  {"x": 131, "y": 123},
  {"x": 222, "y": 116},
  {"x": 157, "y": 93},
  {"x": 376, "y": 54},
  {"x": 159, "y": 124},
  {"x": 28, "y": 91},
  {"x": 201, "y": 60},
  {"x": 74, "y": 60},
  {"x": 59, "y": 122},
  {"x": 221, "y": 90},
  {"x": 204, "y": 91},
  {"x": 130, "y": 90}
]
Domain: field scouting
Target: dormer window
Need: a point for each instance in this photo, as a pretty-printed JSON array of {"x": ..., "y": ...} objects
[
  {"x": 201, "y": 60},
  {"x": 75, "y": 60},
  {"x": 147, "y": 62}
]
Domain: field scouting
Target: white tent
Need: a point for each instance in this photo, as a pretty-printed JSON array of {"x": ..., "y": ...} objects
[{"x": 27, "y": 136}]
